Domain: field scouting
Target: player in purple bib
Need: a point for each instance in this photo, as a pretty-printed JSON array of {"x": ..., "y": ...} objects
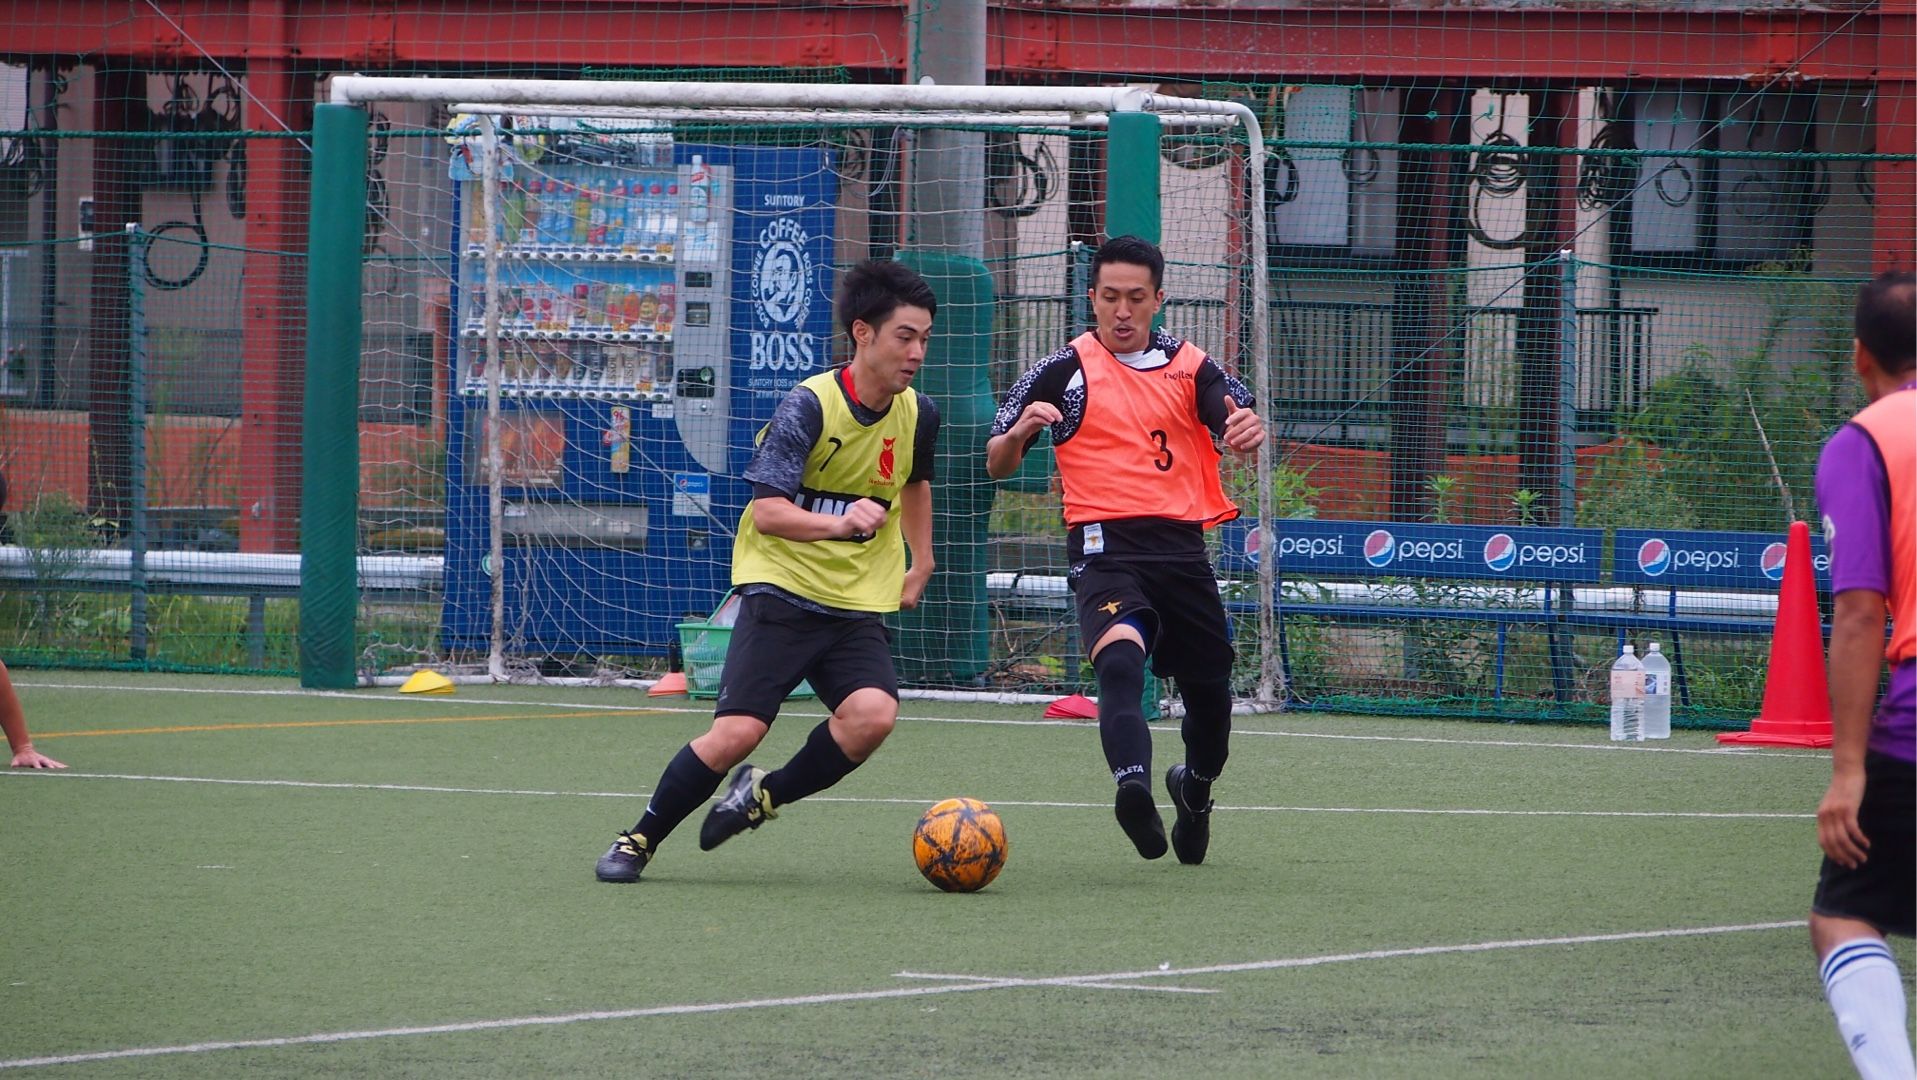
[{"x": 1867, "y": 820}]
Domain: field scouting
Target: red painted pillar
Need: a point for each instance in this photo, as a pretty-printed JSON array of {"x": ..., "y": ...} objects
[
  {"x": 1235, "y": 347},
  {"x": 1894, "y": 230},
  {"x": 1550, "y": 227},
  {"x": 1424, "y": 311},
  {"x": 119, "y": 94},
  {"x": 279, "y": 98}
]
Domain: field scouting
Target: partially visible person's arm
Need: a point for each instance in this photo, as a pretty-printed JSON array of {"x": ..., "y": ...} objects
[
  {"x": 1004, "y": 453},
  {"x": 1035, "y": 402},
  {"x": 779, "y": 516},
  {"x": 1226, "y": 407},
  {"x": 778, "y": 466},
  {"x": 1856, "y": 660},
  {"x": 1853, "y": 494},
  {"x": 915, "y": 519},
  {"x": 915, "y": 504},
  {"x": 13, "y": 720}
]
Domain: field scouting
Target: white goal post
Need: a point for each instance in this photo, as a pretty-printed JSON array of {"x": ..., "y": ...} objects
[{"x": 745, "y": 103}]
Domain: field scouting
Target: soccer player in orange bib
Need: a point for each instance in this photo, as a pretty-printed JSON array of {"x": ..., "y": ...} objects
[
  {"x": 1137, "y": 417},
  {"x": 1867, "y": 820}
]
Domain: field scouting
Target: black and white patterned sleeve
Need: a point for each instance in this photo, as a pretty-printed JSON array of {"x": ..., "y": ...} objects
[
  {"x": 1048, "y": 381},
  {"x": 778, "y": 465}
]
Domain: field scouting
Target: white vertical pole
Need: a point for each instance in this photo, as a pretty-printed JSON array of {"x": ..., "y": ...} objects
[{"x": 495, "y": 458}]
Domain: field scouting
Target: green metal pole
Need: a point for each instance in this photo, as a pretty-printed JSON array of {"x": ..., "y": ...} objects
[
  {"x": 136, "y": 363},
  {"x": 1131, "y": 175},
  {"x": 329, "y": 485}
]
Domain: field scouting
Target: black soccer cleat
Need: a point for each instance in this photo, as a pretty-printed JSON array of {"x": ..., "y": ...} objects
[
  {"x": 745, "y": 806},
  {"x": 1138, "y": 816},
  {"x": 623, "y": 861},
  {"x": 1191, "y": 831}
]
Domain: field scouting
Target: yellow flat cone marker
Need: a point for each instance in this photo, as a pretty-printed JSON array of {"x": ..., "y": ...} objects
[
  {"x": 672, "y": 682},
  {"x": 427, "y": 682}
]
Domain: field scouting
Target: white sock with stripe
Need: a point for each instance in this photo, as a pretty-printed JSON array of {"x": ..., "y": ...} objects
[{"x": 1867, "y": 995}]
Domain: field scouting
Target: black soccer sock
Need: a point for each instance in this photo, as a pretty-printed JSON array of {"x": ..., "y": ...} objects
[
  {"x": 685, "y": 786},
  {"x": 819, "y": 764},
  {"x": 1121, "y": 711},
  {"x": 1207, "y": 732}
]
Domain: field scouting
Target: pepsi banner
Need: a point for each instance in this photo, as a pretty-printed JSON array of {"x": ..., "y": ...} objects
[
  {"x": 1710, "y": 560},
  {"x": 1327, "y": 549}
]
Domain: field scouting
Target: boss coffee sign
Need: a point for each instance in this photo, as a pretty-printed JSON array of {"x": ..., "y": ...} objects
[
  {"x": 1723, "y": 560},
  {"x": 1309, "y": 548}
]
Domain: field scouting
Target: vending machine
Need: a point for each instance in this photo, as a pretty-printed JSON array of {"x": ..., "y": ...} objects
[{"x": 656, "y": 300}]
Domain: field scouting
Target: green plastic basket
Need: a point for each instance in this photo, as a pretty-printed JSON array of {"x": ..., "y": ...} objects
[{"x": 703, "y": 646}]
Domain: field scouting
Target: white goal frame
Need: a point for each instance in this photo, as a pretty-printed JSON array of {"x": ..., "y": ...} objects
[{"x": 922, "y": 105}]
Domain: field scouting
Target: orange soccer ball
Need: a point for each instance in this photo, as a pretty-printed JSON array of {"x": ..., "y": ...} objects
[{"x": 960, "y": 845}]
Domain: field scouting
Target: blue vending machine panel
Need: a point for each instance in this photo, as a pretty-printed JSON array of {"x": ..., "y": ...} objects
[{"x": 652, "y": 316}]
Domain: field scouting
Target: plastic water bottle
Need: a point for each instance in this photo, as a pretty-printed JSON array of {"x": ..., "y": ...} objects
[
  {"x": 636, "y": 240},
  {"x": 1657, "y": 693},
  {"x": 699, "y": 193},
  {"x": 1627, "y": 697}
]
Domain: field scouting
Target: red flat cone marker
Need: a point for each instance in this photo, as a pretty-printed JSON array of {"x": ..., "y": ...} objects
[
  {"x": 672, "y": 682},
  {"x": 1072, "y": 707},
  {"x": 1796, "y": 708}
]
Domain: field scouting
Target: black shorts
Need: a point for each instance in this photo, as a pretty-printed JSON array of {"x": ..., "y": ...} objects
[
  {"x": 776, "y": 645},
  {"x": 1187, "y": 632},
  {"x": 1883, "y": 891}
]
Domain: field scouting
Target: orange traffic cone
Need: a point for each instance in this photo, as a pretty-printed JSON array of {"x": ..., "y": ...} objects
[
  {"x": 672, "y": 682},
  {"x": 1796, "y": 691}
]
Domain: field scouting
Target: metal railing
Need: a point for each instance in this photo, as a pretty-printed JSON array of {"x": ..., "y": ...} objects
[
  {"x": 1031, "y": 328},
  {"x": 1334, "y": 359},
  {"x": 197, "y": 371}
]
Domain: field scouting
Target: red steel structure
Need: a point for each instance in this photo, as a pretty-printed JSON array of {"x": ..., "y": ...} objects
[{"x": 283, "y": 46}]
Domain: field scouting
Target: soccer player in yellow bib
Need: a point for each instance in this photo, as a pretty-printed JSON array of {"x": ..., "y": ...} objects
[{"x": 842, "y": 486}]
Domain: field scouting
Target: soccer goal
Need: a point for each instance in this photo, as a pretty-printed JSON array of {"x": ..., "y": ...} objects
[{"x": 609, "y": 285}]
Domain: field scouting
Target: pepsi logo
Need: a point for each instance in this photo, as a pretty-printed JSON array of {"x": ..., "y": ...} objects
[
  {"x": 1653, "y": 557},
  {"x": 1311, "y": 547},
  {"x": 1254, "y": 543},
  {"x": 1500, "y": 552},
  {"x": 1772, "y": 561},
  {"x": 1380, "y": 547}
]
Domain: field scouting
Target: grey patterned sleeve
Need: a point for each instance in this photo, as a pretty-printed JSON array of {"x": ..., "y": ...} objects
[{"x": 779, "y": 462}]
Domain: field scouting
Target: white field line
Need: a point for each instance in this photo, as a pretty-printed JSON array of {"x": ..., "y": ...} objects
[
  {"x": 348, "y": 695},
  {"x": 949, "y": 985},
  {"x": 1619, "y": 747},
  {"x": 1079, "y": 982},
  {"x": 1820, "y": 756},
  {"x": 1130, "y": 986},
  {"x": 879, "y": 801},
  {"x": 1169, "y": 972}
]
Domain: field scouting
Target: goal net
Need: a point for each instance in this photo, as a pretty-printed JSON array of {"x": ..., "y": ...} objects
[{"x": 621, "y": 279}]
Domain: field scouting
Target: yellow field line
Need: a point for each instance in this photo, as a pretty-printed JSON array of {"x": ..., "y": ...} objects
[{"x": 40, "y": 736}]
